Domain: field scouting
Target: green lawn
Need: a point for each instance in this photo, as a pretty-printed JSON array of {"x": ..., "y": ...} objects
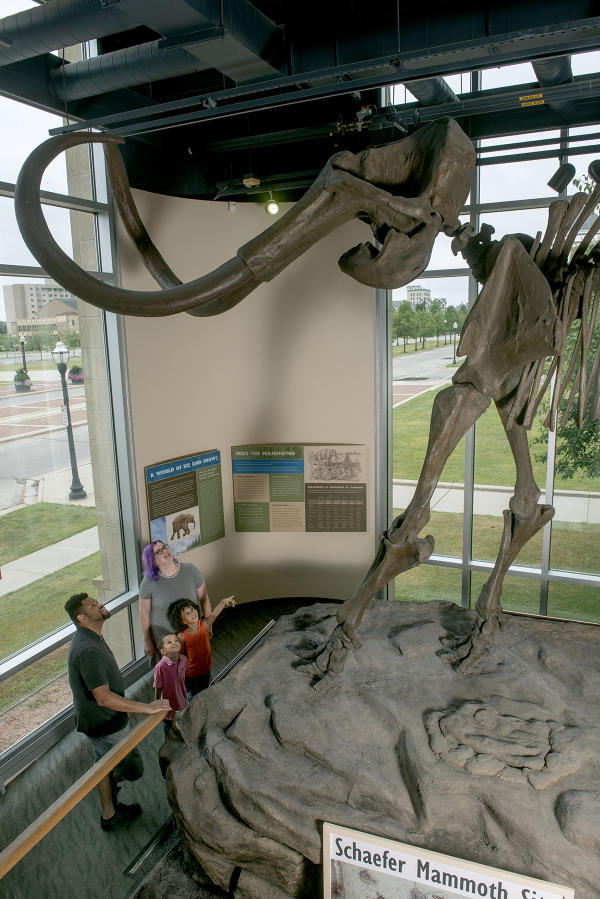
[
  {"x": 493, "y": 460},
  {"x": 38, "y": 609},
  {"x": 430, "y": 582},
  {"x": 43, "y": 365},
  {"x": 26, "y": 530},
  {"x": 22, "y": 684},
  {"x": 574, "y": 548},
  {"x": 430, "y": 344}
]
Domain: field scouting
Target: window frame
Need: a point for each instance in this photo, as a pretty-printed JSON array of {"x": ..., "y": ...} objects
[
  {"x": 38, "y": 741},
  {"x": 467, "y": 563}
]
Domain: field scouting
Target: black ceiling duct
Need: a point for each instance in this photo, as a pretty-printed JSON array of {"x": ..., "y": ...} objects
[
  {"x": 121, "y": 69},
  {"x": 59, "y": 23},
  {"x": 431, "y": 91},
  {"x": 552, "y": 71}
]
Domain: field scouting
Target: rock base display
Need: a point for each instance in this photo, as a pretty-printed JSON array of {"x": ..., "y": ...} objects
[{"x": 499, "y": 765}]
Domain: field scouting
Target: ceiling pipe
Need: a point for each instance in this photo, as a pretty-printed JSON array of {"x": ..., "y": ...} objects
[
  {"x": 431, "y": 91},
  {"x": 121, "y": 69},
  {"x": 57, "y": 24},
  {"x": 551, "y": 71}
]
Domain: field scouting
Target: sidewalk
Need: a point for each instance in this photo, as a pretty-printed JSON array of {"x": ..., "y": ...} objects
[
  {"x": 40, "y": 414},
  {"x": 570, "y": 505},
  {"x": 50, "y": 488},
  {"x": 37, "y": 565},
  {"x": 53, "y": 488}
]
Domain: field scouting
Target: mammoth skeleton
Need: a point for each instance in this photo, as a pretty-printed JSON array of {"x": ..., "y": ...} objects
[{"x": 408, "y": 191}]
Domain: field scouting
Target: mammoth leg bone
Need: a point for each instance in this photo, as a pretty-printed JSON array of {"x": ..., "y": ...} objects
[
  {"x": 455, "y": 409},
  {"x": 522, "y": 521}
]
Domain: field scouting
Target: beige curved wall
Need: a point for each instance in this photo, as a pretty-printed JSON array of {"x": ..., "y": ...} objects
[{"x": 292, "y": 363}]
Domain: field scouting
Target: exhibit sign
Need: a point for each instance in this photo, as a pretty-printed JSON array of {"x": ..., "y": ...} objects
[
  {"x": 300, "y": 487},
  {"x": 359, "y": 865},
  {"x": 185, "y": 500}
]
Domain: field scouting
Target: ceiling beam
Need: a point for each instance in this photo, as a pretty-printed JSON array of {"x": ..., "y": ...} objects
[{"x": 333, "y": 81}]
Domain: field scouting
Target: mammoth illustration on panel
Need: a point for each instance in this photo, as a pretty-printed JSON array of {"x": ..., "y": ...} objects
[{"x": 533, "y": 290}]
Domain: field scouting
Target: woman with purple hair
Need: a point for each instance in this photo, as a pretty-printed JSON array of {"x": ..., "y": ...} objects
[{"x": 165, "y": 580}]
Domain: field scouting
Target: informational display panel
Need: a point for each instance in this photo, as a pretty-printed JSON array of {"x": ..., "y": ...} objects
[
  {"x": 185, "y": 500},
  {"x": 359, "y": 866},
  {"x": 308, "y": 487}
]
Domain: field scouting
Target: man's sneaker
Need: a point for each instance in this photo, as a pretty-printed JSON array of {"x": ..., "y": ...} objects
[{"x": 123, "y": 815}]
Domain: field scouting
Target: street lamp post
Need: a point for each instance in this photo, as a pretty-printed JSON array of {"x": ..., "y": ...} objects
[
  {"x": 60, "y": 354},
  {"x": 455, "y": 326},
  {"x": 22, "y": 342}
]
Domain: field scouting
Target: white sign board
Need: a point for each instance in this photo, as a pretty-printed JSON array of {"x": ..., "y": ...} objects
[{"x": 358, "y": 865}]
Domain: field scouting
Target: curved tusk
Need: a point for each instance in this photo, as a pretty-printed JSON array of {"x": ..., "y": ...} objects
[
  {"x": 211, "y": 294},
  {"x": 130, "y": 217}
]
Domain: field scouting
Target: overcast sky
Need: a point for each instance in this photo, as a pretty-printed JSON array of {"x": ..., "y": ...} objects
[{"x": 24, "y": 128}]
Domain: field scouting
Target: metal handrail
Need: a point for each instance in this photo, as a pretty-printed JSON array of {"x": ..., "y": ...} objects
[{"x": 42, "y": 825}]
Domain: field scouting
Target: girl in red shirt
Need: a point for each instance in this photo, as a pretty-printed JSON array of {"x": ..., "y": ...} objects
[{"x": 194, "y": 635}]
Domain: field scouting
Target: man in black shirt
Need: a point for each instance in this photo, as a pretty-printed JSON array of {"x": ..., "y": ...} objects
[{"x": 101, "y": 708}]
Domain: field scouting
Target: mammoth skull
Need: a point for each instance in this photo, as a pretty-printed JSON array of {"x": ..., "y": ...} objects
[{"x": 408, "y": 191}]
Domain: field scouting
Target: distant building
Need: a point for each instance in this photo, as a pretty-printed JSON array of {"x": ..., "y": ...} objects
[
  {"x": 24, "y": 303},
  {"x": 416, "y": 294}
]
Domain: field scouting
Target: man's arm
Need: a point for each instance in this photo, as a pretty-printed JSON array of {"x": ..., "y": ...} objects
[{"x": 109, "y": 700}]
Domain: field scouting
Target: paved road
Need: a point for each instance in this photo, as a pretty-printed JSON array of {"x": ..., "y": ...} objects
[
  {"x": 30, "y": 457},
  {"x": 428, "y": 364}
]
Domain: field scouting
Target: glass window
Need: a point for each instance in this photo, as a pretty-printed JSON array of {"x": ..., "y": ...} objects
[
  {"x": 69, "y": 173},
  {"x": 504, "y": 76},
  {"x": 517, "y": 180},
  {"x": 429, "y": 582},
  {"x": 32, "y": 696},
  {"x": 525, "y": 221},
  {"x": 410, "y": 436},
  {"x": 495, "y": 476},
  {"x": 38, "y": 692},
  {"x": 423, "y": 363},
  {"x": 13, "y": 250},
  {"x": 576, "y": 525},
  {"x": 60, "y": 525},
  {"x": 494, "y": 146},
  {"x": 519, "y": 594},
  {"x": 442, "y": 255},
  {"x": 575, "y": 529},
  {"x": 575, "y": 601},
  {"x": 585, "y": 64}
]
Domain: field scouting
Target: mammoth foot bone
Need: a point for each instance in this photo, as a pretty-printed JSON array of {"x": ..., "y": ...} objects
[
  {"x": 517, "y": 532},
  {"x": 325, "y": 661},
  {"x": 464, "y": 653}
]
